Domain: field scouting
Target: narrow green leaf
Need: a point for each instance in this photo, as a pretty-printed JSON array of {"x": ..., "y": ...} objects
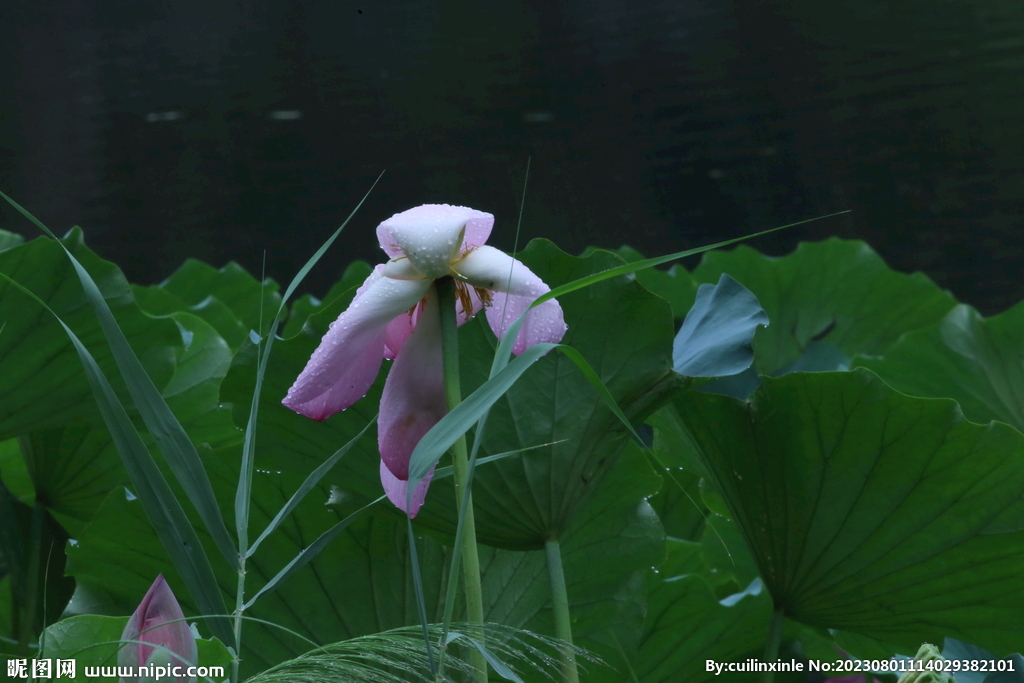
[
  {"x": 499, "y": 666},
  {"x": 170, "y": 437},
  {"x": 651, "y": 262},
  {"x": 311, "y": 551},
  {"x": 165, "y": 513},
  {"x": 311, "y": 481},
  {"x": 595, "y": 381},
  {"x": 421, "y": 603},
  {"x": 444, "y": 472},
  {"x": 244, "y": 490}
]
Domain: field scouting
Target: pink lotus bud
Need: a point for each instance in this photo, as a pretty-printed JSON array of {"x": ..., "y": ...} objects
[{"x": 159, "y": 621}]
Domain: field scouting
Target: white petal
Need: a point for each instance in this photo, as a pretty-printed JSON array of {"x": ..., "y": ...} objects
[
  {"x": 493, "y": 269},
  {"x": 516, "y": 287},
  {"x": 402, "y": 269},
  {"x": 432, "y": 235}
]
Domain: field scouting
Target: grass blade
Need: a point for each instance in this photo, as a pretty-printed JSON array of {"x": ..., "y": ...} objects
[
  {"x": 309, "y": 552},
  {"x": 595, "y": 381},
  {"x": 312, "y": 480},
  {"x": 170, "y": 437},
  {"x": 248, "y": 447},
  {"x": 499, "y": 666},
  {"x": 421, "y": 603},
  {"x": 443, "y": 472}
]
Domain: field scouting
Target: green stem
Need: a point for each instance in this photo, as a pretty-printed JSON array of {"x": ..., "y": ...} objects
[
  {"x": 239, "y": 609},
  {"x": 771, "y": 648},
  {"x": 460, "y": 470},
  {"x": 560, "y": 603},
  {"x": 242, "y": 506}
]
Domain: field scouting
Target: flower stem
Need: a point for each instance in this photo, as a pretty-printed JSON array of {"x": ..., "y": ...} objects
[
  {"x": 771, "y": 649},
  {"x": 460, "y": 468},
  {"x": 560, "y": 603},
  {"x": 239, "y": 609}
]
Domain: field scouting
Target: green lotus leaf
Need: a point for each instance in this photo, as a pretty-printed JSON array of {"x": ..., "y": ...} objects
[
  {"x": 606, "y": 553},
  {"x": 75, "y": 465},
  {"x": 10, "y": 239},
  {"x": 228, "y": 298},
  {"x": 977, "y": 361},
  {"x": 686, "y": 624},
  {"x": 89, "y": 639},
  {"x": 42, "y": 383},
  {"x": 870, "y": 511},
  {"x": 836, "y": 291},
  {"x": 716, "y": 335}
]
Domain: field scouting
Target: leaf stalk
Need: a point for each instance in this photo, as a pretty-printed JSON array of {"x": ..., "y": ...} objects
[{"x": 560, "y": 604}]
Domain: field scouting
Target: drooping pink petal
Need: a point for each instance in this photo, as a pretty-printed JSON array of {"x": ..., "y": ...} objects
[
  {"x": 543, "y": 324},
  {"x": 398, "y": 330},
  {"x": 345, "y": 364},
  {"x": 435, "y": 216},
  {"x": 149, "y": 624},
  {"x": 515, "y": 287},
  {"x": 413, "y": 399},
  {"x": 397, "y": 490}
]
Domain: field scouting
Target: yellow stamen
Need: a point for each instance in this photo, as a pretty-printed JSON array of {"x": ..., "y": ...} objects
[{"x": 465, "y": 298}]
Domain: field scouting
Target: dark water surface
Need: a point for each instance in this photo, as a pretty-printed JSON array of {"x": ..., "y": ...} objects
[{"x": 219, "y": 129}]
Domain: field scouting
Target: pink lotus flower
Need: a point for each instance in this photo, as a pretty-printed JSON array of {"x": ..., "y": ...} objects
[
  {"x": 150, "y": 624},
  {"x": 395, "y": 315}
]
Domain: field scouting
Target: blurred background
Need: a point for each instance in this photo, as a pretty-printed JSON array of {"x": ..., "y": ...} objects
[{"x": 222, "y": 129}]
